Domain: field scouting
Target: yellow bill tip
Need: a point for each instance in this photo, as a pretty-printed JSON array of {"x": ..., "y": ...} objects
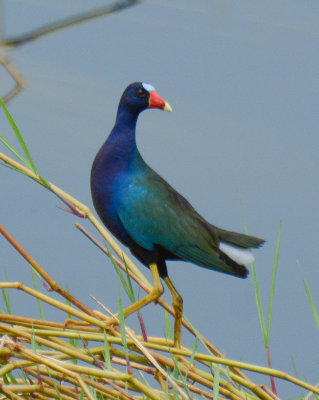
[{"x": 167, "y": 107}]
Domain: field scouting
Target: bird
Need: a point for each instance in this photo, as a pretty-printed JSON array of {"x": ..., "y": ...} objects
[{"x": 150, "y": 217}]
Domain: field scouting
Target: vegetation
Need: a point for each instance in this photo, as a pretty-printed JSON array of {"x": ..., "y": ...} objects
[{"x": 94, "y": 354}]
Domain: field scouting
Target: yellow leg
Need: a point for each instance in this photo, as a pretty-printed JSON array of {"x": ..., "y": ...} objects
[
  {"x": 154, "y": 295},
  {"x": 177, "y": 303}
]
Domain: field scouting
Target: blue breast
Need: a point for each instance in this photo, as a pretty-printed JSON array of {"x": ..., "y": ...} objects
[{"x": 112, "y": 174}]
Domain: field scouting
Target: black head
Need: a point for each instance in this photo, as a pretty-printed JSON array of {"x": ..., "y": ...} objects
[{"x": 139, "y": 95}]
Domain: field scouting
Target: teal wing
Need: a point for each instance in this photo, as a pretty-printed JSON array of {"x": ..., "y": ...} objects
[{"x": 154, "y": 214}]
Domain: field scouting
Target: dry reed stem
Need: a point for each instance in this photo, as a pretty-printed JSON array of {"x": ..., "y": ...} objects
[
  {"x": 21, "y": 332},
  {"x": 148, "y": 355},
  {"x": 20, "y": 83},
  {"x": 58, "y": 377},
  {"x": 55, "y": 303},
  {"x": 52, "y": 283},
  {"x": 31, "y": 331}
]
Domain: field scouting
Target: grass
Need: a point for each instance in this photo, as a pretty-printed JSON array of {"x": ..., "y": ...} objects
[
  {"x": 265, "y": 325},
  {"x": 93, "y": 354},
  {"x": 311, "y": 302}
]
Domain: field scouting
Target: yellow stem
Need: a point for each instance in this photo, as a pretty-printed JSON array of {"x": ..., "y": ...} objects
[{"x": 54, "y": 303}]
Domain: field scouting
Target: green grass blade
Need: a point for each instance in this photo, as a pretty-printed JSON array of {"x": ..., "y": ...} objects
[
  {"x": 107, "y": 356},
  {"x": 6, "y": 296},
  {"x": 6, "y": 379},
  {"x": 176, "y": 375},
  {"x": 67, "y": 301},
  {"x": 294, "y": 367},
  {"x": 9, "y": 166},
  {"x": 54, "y": 384},
  {"x": 192, "y": 358},
  {"x": 127, "y": 287},
  {"x": 6, "y": 299},
  {"x": 73, "y": 341},
  {"x": 121, "y": 318},
  {"x": 272, "y": 287},
  {"x": 184, "y": 382},
  {"x": 45, "y": 182},
  {"x": 312, "y": 303},
  {"x": 224, "y": 370},
  {"x": 168, "y": 325},
  {"x": 216, "y": 381},
  {"x": 13, "y": 150},
  {"x": 176, "y": 371},
  {"x": 198, "y": 337},
  {"x": 130, "y": 287},
  {"x": 259, "y": 304},
  {"x": 146, "y": 382},
  {"x": 256, "y": 289},
  {"x": 34, "y": 275},
  {"x": 12, "y": 379},
  {"x": 19, "y": 137}
]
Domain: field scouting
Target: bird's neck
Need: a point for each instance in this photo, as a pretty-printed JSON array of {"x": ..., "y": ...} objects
[
  {"x": 126, "y": 117},
  {"x": 122, "y": 139},
  {"x": 120, "y": 146}
]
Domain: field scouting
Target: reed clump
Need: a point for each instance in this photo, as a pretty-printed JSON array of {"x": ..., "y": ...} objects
[{"x": 88, "y": 353}]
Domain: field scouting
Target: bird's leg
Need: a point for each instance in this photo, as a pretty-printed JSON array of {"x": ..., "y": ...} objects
[
  {"x": 152, "y": 296},
  {"x": 177, "y": 303}
]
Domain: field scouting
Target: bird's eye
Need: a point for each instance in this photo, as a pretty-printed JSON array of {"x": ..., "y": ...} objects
[{"x": 141, "y": 93}]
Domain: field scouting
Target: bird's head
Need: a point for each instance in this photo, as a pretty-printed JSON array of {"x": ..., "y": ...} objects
[{"x": 139, "y": 96}]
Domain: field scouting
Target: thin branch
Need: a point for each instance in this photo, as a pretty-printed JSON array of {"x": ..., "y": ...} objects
[
  {"x": 34, "y": 34},
  {"x": 20, "y": 83},
  {"x": 67, "y": 23},
  {"x": 53, "y": 284}
]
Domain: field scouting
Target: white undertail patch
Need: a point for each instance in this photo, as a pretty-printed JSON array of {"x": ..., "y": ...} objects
[
  {"x": 148, "y": 87},
  {"x": 239, "y": 255}
]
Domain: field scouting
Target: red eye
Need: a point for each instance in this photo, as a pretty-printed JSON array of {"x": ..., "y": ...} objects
[{"x": 141, "y": 93}]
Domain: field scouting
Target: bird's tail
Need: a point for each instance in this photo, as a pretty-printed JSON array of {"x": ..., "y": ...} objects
[
  {"x": 237, "y": 245},
  {"x": 238, "y": 254},
  {"x": 233, "y": 265},
  {"x": 238, "y": 239}
]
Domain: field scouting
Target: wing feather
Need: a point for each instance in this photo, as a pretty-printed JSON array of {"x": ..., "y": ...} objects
[{"x": 154, "y": 214}]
